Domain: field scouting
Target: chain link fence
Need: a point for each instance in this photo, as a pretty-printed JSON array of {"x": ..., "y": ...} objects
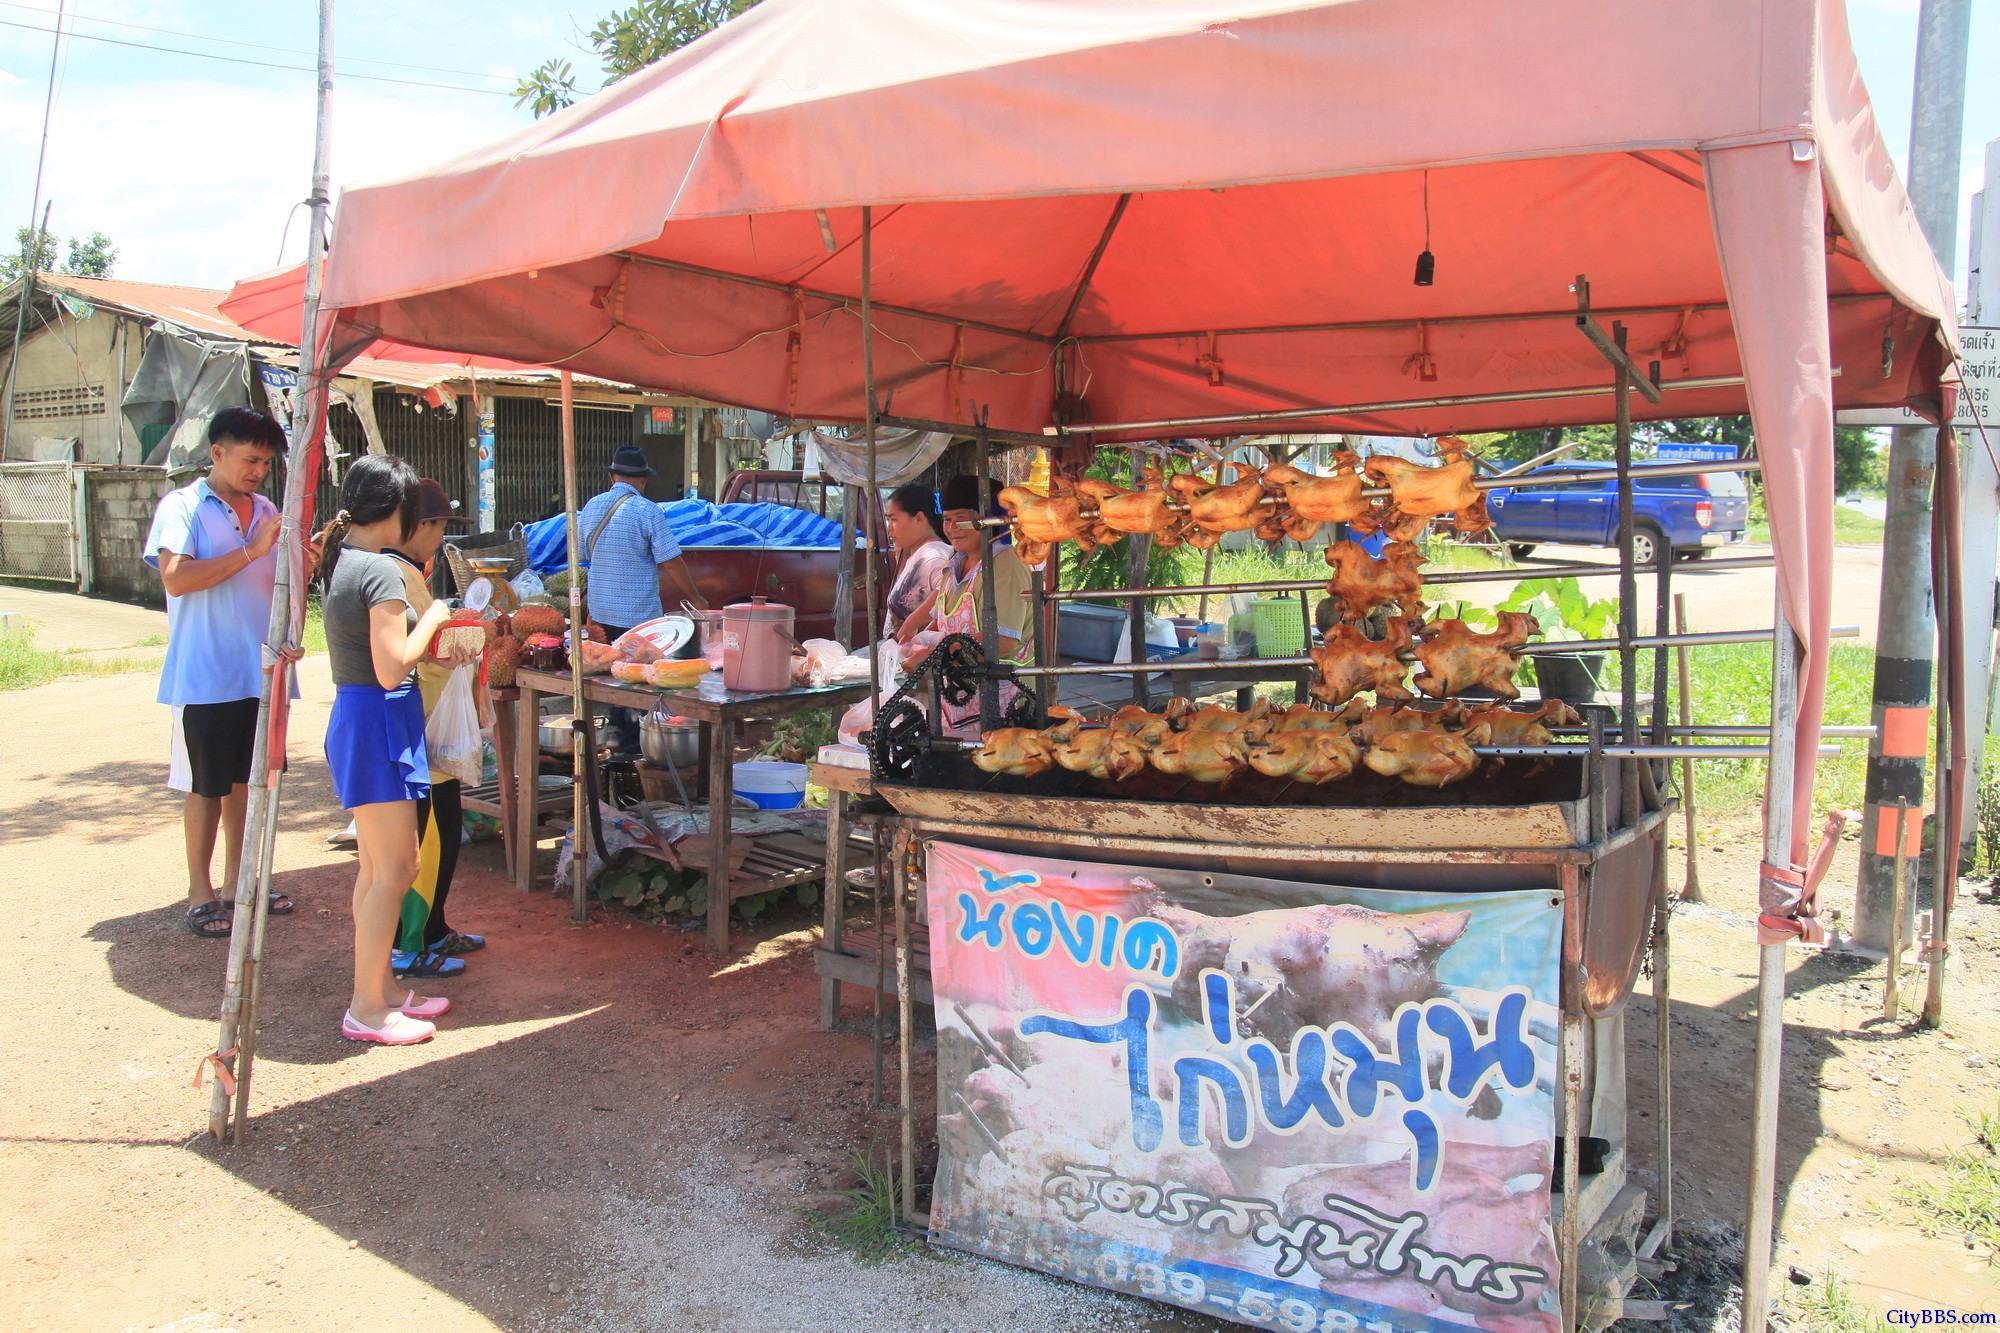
[{"x": 38, "y": 533}]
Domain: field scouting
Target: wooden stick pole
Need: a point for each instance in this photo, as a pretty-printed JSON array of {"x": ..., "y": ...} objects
[
  {"x": 580, "y": 812},
  {"x": 1691, "y": 886}
]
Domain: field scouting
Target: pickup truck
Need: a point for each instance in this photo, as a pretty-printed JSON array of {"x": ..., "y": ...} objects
[
  {"x": 1691, "y": 514},
  {"x": 804, "y": 578}
]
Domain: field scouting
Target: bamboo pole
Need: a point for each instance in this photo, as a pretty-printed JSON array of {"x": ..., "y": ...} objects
[
  {"x": 579, "y": 833},
  {"x": 1691, "y": 886},
  {"x": 1891, "y": 999},
  {"x": 287, "y": 609}
]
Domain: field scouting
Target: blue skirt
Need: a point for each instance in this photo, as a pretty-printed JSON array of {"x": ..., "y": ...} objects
[{"x": 375, "y": 744}]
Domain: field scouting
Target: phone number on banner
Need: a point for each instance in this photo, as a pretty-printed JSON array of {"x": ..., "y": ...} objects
[{"x": 1213, "y": 1289}]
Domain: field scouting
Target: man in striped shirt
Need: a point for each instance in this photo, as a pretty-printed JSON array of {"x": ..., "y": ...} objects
[{"x": 636, "y": 570}]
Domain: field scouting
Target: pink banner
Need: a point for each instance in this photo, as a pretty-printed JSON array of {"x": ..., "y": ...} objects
[{"x": 1291, "y": 1105}]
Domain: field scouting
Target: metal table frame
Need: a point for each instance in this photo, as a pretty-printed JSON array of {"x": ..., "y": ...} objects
[{"x": 720, "y": 719}]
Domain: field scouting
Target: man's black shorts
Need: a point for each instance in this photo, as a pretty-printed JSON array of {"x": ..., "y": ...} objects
[{"x": 221, "y": 741}]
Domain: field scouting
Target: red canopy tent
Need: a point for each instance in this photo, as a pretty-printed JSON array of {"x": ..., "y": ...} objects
[{"x": 1180, "y": 214}]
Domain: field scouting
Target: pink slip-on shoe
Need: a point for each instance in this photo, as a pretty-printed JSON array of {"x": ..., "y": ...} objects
[
  {"x": 431, "y": 1006},
  {"x": 398, "y": 1029}
]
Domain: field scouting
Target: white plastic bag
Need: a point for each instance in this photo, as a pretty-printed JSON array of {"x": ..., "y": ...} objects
[
  {"x": 861, "y": 716},
  {"x": 451, "y": 735}
]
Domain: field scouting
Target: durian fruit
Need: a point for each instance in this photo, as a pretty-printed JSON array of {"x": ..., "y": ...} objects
[
  {"x": 503, "y": 655},
  {"x": 557, "y": 584},
  {"x": 595, "y": 633},
  {"x": 539, "y": 620}
]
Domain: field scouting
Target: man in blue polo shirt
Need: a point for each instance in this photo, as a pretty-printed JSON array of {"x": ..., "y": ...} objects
[
  {"x": 636, "y": 570},
  {"x": 213, "y": 542}
]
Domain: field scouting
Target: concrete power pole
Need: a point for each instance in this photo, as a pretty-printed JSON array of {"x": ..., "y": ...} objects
[
  {"x": 1979, "y": 497},
  {"x": 1904, "y": 643}
]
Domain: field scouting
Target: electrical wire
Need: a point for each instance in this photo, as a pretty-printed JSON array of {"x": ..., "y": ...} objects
[
  {"x": 261, "y": 64},
  {"x": 249, "y": 46}
]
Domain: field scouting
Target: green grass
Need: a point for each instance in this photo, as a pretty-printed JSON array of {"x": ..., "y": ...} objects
[
  {"x": 865, "y": 1224},
  {"x": 1827, "y": 1307},
  {"x": 1966, "y": 1203},
  {"x": 314, "y": 638},
  {"x": 1850, "y": 528},
  {"x": 24, "y": 666},
  {"x": 1732, "y": 687}
]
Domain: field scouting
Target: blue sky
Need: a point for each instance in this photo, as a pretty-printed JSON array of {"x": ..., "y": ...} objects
[{"x": 193, "y": 165}]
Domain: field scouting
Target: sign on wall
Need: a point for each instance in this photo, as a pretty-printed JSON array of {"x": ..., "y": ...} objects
[{"x": 1290, "y": 1105}]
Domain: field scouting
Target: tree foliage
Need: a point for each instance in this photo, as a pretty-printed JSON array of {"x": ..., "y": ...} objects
[
  {"x": 1858, "y": 464},
  {"x": 626, "y": 41},
  {"x": 89, "y": 256}
]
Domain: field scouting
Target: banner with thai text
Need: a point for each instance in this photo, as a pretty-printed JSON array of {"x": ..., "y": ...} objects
[{"x": 1291, "y": 1105}]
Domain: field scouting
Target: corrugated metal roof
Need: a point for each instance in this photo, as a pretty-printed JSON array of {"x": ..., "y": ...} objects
[{"x": 195, "y": 308}]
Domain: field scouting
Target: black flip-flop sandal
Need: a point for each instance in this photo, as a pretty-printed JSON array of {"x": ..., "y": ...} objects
[
  {"x": 210, "y": 921},
  {"x": 281, "y": 904}
]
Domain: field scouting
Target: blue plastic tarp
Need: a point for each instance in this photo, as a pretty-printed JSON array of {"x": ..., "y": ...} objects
[{"x": 698, "y": 523}]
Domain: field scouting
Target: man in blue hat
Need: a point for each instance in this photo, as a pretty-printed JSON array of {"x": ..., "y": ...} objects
[{"x": 636, "y": 570}]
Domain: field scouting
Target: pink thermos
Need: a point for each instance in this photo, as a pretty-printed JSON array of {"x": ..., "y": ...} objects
[{"x": 757, "y": 646}]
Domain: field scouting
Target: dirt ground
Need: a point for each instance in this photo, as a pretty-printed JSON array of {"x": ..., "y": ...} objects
[{"x": 616, "y": 1129}]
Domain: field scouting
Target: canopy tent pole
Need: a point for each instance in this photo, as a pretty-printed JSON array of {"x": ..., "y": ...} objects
[
  {"x": 1770, "y": 981},
  {"x": 246, "y": 930},
  {"x": 580, "y": 752}
]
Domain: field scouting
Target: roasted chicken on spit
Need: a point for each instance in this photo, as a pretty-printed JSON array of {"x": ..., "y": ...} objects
[
  {"x": 1236, "y": 507},
  {"x": 1361, "y": 583},
  {"x": 1306, "y": 756},
  {"x": 1349, "y": 663},
  {"x": 1205, "y": 756},
  {"x": 1427, "y": 758},
  {"x": 1311, "y": 500},
  {"x": 1215, "y": 717},
  {"x": 1456, "y": 659},
  {"x": 1040, "y": 521},
  {"x": 1426, "y": 492},
  {"x": 1135, "y": 721},
  {"x": 1307, "y": 717},
  {"x": 1143, "y": 509},
  {"x": 1388, "y": 720},
  {"x": 1098, "y": 752},
  {"x": 1508, "y": 727},
  {"x": 1017, "y": 752}
]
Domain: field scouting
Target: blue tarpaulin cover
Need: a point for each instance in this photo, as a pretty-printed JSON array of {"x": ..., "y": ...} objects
[{"x": 699, "y": 523}]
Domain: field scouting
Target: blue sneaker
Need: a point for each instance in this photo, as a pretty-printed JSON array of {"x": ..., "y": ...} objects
[{"x": 408, "y": 963}]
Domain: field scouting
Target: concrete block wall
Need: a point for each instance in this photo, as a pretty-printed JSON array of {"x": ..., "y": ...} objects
[{"x": 120, "y": 503}]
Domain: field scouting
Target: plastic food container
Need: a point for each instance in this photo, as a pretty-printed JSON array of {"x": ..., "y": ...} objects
[{"x": 770, "y": 784}]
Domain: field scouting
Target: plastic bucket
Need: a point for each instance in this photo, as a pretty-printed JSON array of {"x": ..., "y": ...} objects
[{"x": 769, "y": 784}]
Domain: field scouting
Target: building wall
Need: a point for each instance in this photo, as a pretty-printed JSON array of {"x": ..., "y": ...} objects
[
  {"x": 119, "y": 504},
  {"x": 72, "y": 376}
]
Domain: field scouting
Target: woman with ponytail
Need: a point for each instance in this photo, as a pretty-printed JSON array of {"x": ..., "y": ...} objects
[{"x": 375, "y": 737}]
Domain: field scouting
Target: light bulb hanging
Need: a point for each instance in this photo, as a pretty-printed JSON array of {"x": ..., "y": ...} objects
[{"x": 1426, "y": 262}]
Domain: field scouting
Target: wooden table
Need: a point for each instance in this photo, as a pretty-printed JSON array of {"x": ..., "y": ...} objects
[
  {"x": 834, "y": 960},
  {"x": 721, "y": 712}
]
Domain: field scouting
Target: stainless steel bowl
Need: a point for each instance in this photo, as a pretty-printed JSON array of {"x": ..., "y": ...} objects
[
  {"x": 675, "y": 744},
  {"x": 555, "y": 731}
]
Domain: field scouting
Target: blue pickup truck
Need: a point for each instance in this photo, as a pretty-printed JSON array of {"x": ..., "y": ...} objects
[{"x": 1692, "y": 514}]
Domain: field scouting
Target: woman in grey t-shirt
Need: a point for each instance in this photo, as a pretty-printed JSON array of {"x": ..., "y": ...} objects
[{"x": 375, "y": 736}]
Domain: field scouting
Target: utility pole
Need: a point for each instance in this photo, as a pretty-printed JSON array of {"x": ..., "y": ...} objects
[
  {"x": 31, "y": 253},
  {"x": 1906, "y": 633}
]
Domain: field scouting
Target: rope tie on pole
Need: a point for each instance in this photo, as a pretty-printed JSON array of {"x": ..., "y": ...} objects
[
  {"x": 225, "y": 1072},
  {"x": 1788, "y": 896},
  {"x": 1210, "y": 362},
  {"x": 954, "y": 371}
]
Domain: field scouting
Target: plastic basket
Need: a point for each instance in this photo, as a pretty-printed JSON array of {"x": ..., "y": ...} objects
[{"x": 1280, "y": 631}]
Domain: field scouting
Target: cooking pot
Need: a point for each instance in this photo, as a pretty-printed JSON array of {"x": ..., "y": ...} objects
[
  {"x": 670, "y": 741},
  {"x": 757, "y": 646},
  {"x": 555, "y": 731}
]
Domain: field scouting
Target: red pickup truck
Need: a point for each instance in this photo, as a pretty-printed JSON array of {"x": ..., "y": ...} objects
[{"x": 804, "y": 578}]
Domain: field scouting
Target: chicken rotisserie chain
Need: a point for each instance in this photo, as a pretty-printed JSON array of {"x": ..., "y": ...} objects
[{"x": 1423, "y": 746}]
